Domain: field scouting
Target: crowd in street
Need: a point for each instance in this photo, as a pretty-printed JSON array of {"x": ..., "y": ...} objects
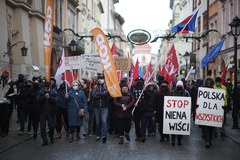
[{"x": 86, "y": 103}]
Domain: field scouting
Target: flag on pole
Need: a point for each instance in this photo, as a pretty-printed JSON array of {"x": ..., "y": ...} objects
[
  {"x": 148, "y": 73},
  {"x": 107, "y": 61},
  {"x": 212, "y": 54},
  {"x": 130, "y": 76},
  {"x": 69, "y": 77},
  {"x": 114, "y": 50},
  {"x": 60, "y": 70},
  {"x": 223, "y": 75},
  {"x": 170, "y": 68},
  {"x": 135, "y": 71},
  {"x": 188, "y": 24},
  {"x": 140, "y": 72}
]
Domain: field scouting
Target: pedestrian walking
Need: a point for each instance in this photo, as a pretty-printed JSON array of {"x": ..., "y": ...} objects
[
  {"x": 164, "y": 90},
  {"x": 100, "y": 96},
  {"x": 62, "y": 111},
  {"x": 181, "y": 92},
  {"x": 140, "y": 112},
  {"x": 76, "y": 105},
  {"x": 47, "y": 99},
  {"x": 218, "y": 85},
  {"x": 6, "y": 102},
  {"x": 124, "y": 106}
]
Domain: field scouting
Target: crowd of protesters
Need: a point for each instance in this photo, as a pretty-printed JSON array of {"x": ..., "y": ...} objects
[{"x": 86, "y": 102}]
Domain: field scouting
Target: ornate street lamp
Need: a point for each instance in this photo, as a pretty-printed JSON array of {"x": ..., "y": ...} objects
[
  {"x": 186, "y": 55},
  {"x": 235, "y": 31},
  {"x": 73, "y": 45}
]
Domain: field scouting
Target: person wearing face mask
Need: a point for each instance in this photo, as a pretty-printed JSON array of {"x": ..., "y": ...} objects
[
  {"x": 124, "y": 106},
  {"x": 140, "y": 112},
  {"x": 181, "y": 92},
  {"x": 35, "y": 106},
  {"x": 163, "y": 91},
  {"x": 207, "y": 130},
  {"x": 76, "y": 102},
  {"x": 19, "y": 100},
  {"x": 218, "y": 85},
  {"x": 101, "y": 96},
  {"x": 62, "y": 111},
  {"x": 27, "y": 110},
  {"x": 6, "y": 102}
]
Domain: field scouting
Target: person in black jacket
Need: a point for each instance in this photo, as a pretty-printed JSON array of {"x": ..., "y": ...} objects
[
  {"x": 140, "y": 114},
  {"x": 62, "y": 111},
  {"x": 179, "y": 91},
  {"x": 151, "y": 97},
  {"x": 35, "y": 106},
  {"x": 163, "y": 91},
  {"x": 100, "y": 96},
  {"x": 47, "y": 99},
  {"x": 124, "y": 107}
]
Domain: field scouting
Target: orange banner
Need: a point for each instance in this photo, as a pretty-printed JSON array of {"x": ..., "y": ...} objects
[
  {"x": 107, "y": 61},
  {"x": 47, "y": 37}
]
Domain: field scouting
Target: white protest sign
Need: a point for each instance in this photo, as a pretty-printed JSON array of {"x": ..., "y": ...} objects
[
  {"x": 91, "y": 63},
  {"x": 177, "y": 115},
  {"x": 210, "y": 111},
  {"x": 73, "y": 62}
]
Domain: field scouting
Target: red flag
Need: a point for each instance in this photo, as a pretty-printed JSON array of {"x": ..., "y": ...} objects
[
  {"x": 135, "y": 71},
  {"x": 148, "y": 73},
  {"x": 114, "y": 50},
  {"x": 69, "y": 77},
  {"x": 223, "y": 75},
  {"x": 170, "y": 68}
]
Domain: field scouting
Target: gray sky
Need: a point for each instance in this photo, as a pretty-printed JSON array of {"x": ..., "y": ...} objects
[{"x": 151, "y": 15}]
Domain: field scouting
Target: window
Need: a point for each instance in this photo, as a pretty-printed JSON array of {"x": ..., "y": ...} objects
[{"x": 71, "y": 19}]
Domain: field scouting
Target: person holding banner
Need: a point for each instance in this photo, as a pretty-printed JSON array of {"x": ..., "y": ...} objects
[
  {"x": 179, "y": 91},
  {"x": 164, "y": 91},
  {"x": 101, "y": 97},
  {"x": 218, "y": 85},
  {"x": 124, "y": 107},
  {"x": 208, "y": 130},
  {"x": 140, "y": 114}
]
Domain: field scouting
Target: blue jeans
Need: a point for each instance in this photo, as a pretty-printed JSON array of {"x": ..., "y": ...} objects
[{"x": 101, "y": 115}]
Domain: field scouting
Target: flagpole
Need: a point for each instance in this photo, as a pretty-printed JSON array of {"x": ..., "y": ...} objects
[{"x": 168, "y": 50}]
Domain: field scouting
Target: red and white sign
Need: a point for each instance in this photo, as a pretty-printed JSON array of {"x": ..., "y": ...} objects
[
  {"x": 177, "y": 115},
  {"x": 210, "y": 111}
]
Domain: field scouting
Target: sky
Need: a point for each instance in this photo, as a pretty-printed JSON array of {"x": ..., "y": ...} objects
[{"x": 150, "y": 15}]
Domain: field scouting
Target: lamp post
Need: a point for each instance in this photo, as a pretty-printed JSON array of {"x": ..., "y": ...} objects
[
  {"x": 186, "y": 55},
  {"x": 9, "y": 53},
  {"x": 235, "y": 31}
]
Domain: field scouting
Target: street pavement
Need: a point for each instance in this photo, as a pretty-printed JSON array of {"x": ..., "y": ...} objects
[{"x": 14, "y": 147}]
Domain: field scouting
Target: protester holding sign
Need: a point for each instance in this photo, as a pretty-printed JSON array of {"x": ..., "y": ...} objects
[
  {"x": 207, "y": 130},
  {"x": 164, "y": 91},
  {"x": 179, "y": 91},
  {"x": 218, "y": 85}
]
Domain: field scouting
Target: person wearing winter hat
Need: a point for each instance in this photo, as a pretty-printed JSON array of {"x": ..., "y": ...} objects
[
  {"x": 6, "y": 99},
  {"x": 179, "y": 91},
  {"x": 164, "y": 90},
  {"x": 124, "y": 106}
]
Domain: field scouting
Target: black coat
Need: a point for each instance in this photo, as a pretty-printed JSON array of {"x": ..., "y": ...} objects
[{"x": 126, "y": 99}]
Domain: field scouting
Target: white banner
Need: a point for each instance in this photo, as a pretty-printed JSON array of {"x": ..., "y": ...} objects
[
  {"x": 91, "y": 63},
  {"x": 177, "y": 115},
  {"x": 73, "y": 62},
  {"x": 210, "y": 111}
]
